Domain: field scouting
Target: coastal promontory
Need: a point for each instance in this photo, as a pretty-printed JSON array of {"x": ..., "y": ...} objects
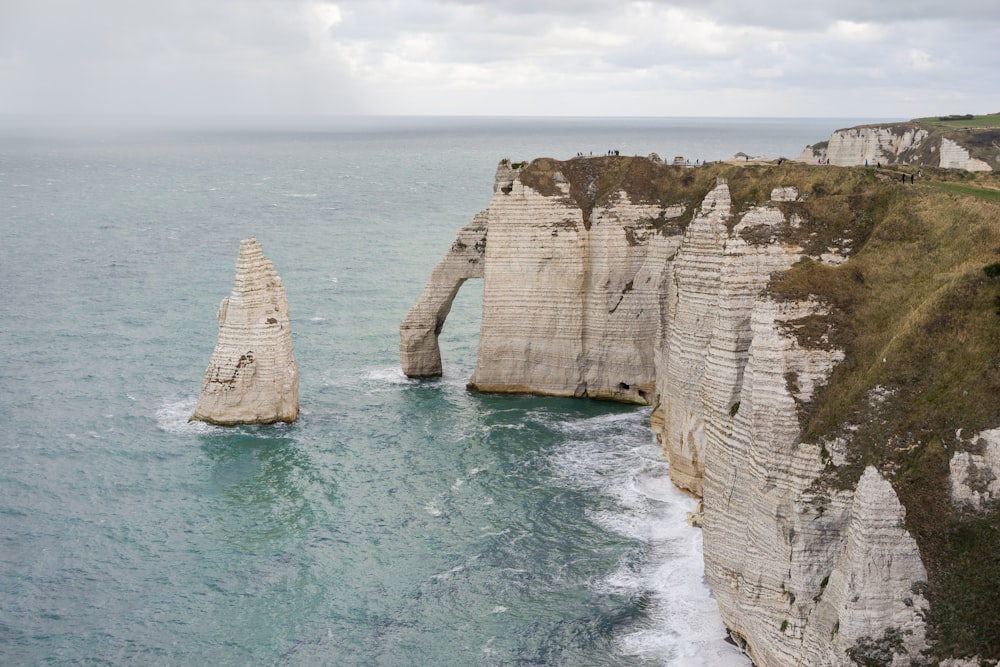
[
  {"x": 820, "y": 346},
  {"x": 957, "y": 141}
]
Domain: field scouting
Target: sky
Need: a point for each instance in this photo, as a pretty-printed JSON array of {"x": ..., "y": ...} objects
[{"x": 771, "y": 58}]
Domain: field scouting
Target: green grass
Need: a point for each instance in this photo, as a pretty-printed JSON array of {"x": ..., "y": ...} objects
[
  {"x": 985, "y": 194},
  {"x": 983, "y": 121},
  {"x": 915, "y": 313}
]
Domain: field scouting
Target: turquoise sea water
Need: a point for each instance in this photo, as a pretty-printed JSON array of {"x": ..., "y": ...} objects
[{"x": 397, "y": 522}]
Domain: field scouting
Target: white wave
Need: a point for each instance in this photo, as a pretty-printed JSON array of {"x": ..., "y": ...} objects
[
  {"x": 449, "y": 573},
  {"x": 173, "y": 418},
  {"x": 615, "y": 457},
  {"x": 390, "y": 375},
  {"x": 589, "y": 424}
]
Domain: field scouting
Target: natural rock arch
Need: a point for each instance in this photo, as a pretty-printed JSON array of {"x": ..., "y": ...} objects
[{"x": 419, "y": 351}]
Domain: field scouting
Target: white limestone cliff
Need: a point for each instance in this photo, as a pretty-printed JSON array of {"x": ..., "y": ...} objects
[
  {"x": 618, "y": 305},
  {"x": 252, "y": 377},
  {"x": 715, "y": 279},
  {"x": 893, "y": 144},
  {"x": 869, "y": 144},
  {"x": 955, "y": 156},
  {"x": 871, "y": 603},
  {"x": 418, "y": 334},
  {"x": 571, "y": 307}
]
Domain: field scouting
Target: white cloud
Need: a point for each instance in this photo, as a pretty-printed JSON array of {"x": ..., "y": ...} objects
[
  {"x": 326, "y": 14},
  {"x": 919, "y": 60},
  {"x": 778, "y": 57},
  {"x": 852, "y": 31}
]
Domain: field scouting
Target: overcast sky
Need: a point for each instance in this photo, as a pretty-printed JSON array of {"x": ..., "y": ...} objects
[{"x": 841, "y": 58}]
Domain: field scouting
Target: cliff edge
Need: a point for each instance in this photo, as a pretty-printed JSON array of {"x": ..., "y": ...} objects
[
  {"x": 965, "y": 142},
  {"x": 821, "y": 346}
]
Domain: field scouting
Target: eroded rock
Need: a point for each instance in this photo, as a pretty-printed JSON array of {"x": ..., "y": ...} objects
[{"x": 252, "y": 377}]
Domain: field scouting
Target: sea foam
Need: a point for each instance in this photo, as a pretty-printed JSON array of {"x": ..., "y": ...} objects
[{"x": 614, "y": 456}]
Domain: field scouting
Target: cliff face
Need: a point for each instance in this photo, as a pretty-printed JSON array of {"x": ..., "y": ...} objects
[
  {"x": 570, "y": 300},
  {"x": 905, "y": 144},
  {"x": 252, "y": 377},
  {"x": 748, "y": 306},
  {"x": 418, "y": 335}
]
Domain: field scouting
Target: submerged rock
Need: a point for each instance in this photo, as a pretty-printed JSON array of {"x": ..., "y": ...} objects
[{"x": 252, "y": 377}]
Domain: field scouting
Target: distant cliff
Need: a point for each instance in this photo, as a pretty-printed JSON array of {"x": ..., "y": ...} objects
[
  {"x": 971, "y": 143},
  {"x": 822, "y": 350}
]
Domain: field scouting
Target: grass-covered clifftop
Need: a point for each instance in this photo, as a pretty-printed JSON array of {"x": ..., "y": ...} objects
[
  {"x": 979, "y": 135},
  {"x": 917, "y": 317}
]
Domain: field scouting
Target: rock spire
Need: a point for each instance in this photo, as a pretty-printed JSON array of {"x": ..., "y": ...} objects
[{"x": 252, "y": 377}]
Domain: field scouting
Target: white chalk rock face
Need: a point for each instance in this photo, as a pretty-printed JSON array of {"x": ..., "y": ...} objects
[
  {"x": 891, "y": 144},
  {"x": 419, "y": 352},
  {"x": 955, "y": 156},
  {"x": 571, "y": 304},
  {"x": 872, "y": 595},
  {"x": 802, "y": 573},
  {"x": 853, "y": 146},
  {"x": 975, "y": 478},
  {"x": 769, "y": 536},
  {"x": 716, "y": 278},
  {"x": 252, "y": 377}
]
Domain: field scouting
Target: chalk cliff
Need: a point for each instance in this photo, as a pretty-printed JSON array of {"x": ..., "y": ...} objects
[
  {"x": 571, "y": 293},
  {"x": 252, "y": 377},
  {"x": 743, "y": 303},
  {"x": 418, "y": 335},
  {"x": 907, "y": 144}
]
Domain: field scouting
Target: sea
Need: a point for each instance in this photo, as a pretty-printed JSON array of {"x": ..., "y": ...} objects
[{"x": 397, "y": 521}]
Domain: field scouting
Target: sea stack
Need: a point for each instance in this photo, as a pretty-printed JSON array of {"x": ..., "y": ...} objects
[{"x": 252, "y": 377}]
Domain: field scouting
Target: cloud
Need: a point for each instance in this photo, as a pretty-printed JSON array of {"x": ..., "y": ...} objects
[
  {"x": 853, "y": 57},
  {"x": 176, "y": 57}
]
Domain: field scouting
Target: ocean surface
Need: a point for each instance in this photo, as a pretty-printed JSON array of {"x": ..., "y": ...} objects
[{"x": 397, "y": 522}]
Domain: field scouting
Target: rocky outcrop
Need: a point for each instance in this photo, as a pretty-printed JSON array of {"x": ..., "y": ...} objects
[
  {"x": 418, "y": 334},
  {"x": 570, "y": 306},
  {"x": 714, "y": 282},
  {"x": 871, "y": 605},
  {"x": 870, "y": 144},
  {"x": 975, "y": 478},
  {"x": 955, "y": 156},
  {"x": 595, "y": 287},
  {"x": 252, "y": 377},
  {"x": 898, "y": 144}
]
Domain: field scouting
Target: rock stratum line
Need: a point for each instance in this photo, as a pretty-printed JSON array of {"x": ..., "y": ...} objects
[{"x": 252, "y": 377}]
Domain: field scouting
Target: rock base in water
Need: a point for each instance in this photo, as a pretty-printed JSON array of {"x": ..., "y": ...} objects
[{"x": 252, "y": 377}]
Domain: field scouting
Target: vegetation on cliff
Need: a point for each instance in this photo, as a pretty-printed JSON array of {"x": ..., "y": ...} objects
[
  {"x": 979, "y": 135},
  {"x": 916, "y": 314}
]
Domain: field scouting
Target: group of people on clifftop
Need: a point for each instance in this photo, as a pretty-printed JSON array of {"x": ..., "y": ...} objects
[{"x": 902, "y": 177}]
